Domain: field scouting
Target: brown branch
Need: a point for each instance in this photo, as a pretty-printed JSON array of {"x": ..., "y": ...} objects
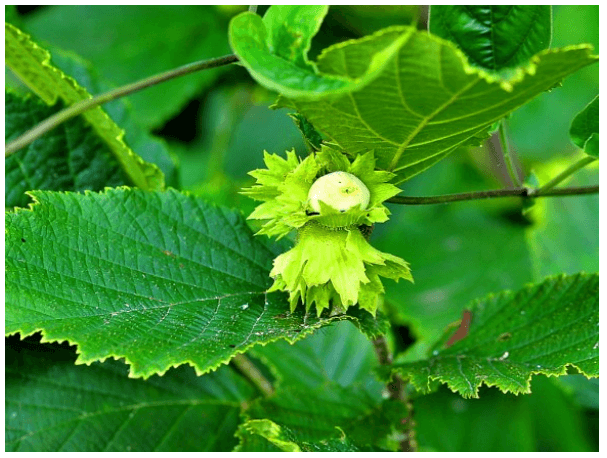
[
  {"x": 517, "y": 192},
  {"x": 396, "y": 391},
  {"x": 84, "y": 105}
]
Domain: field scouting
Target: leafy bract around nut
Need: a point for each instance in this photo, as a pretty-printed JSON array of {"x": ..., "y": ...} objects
[{"x": 328, "y": 199}]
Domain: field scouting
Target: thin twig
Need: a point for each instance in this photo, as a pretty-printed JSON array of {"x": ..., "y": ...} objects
[
  {"x": 569, "y": 171},
  {"x": 254, "y": 375},
  {"x": 396, "y": 391},
  {"x": 503, "y": 138},
  {"x": 84, "y": 105},
  {"x": 517, "y": 192}
]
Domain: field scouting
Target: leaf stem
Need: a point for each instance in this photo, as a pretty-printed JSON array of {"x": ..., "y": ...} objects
[
  {"x": 507, "y": 156},
  {"x": 84, "y": 105},
  {"x": 396, "y": 391},
  {"x": 570, "y": 171},
  {"x": 253, "y": 8},
  {"x": 254, "y": 375},
  {"x": 517, "y": 192}
]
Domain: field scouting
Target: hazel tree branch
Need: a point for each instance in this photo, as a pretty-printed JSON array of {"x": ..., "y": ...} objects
[
  {"x": 253, "y": 374},
  {"x": 396, "y": 391},
  {"x": 85, "y": 105},
  {"x": 517, "y": 192}
]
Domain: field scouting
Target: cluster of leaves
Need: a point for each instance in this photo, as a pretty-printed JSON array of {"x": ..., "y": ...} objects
[{"x": 101, "y": 254}]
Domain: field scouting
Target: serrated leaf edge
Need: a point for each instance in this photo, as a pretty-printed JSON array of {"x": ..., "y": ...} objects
[
  {"x": 134, "y": 373},
  {"x": 38, "y": 199},
  {"x": 387, "y": 374}
]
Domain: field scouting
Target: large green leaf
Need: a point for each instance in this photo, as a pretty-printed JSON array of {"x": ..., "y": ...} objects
[
  {"x": 32, "y": 64},
  {"x": 428, "y": 98},
  {"x": 54, "y": 406},
  {"x": 71, "y": 157},
  {"x": 540, "y": 329},
  {"x": 274, "y": 51},
  {"x": 494, "y": 36},
  {"x": 584, "y": 130},
  {"x": 159, "y": 278},
  {"x": 129, "y": 43}
]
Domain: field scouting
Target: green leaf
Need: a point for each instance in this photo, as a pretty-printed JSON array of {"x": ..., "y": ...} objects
[
  {"x": 494, "y": 37},
  {"x": 53, "y": 405},
  {"x": 265, "y": 436},
  {"x": 571, "y": 24},
  {"x": 322, "y": 383},
  {"x": 339, "y": 354},
  {"x": 144, "y": 40},
  {"x": 254, "y": 433},
  {"x": 32, "y": 64},
  {"x": 428, "y": 99},
  {"x": 540, "y": 329},
  {"x": 325, "y": 413},
  {"x": 584, "y": 131},
  {"x": 290, "y": 29},
  {"x": 252, "y": 441},
  {"x": 71, "y": 157},
  {"x": 159, "y": 278},
  {"x": 311, "y": 136},
  {"x": 274, "y": 51}
]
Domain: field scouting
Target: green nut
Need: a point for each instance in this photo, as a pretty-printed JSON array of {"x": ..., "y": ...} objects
[
  {"x": 339, "y": 190},
  {"x": 328, "y": 198}
]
